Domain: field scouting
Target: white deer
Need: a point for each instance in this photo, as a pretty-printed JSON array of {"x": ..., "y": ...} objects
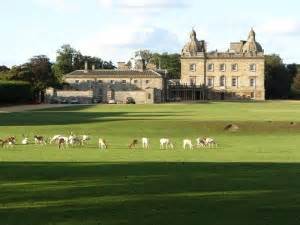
[{"x": 187, "y": 143}]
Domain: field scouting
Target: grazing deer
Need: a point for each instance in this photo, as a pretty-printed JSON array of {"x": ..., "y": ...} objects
[
  {"x": 39, "y": 140},
  {"x": 102, "y": 144},
  {"x": 146, "y": 143},
  {"x": 187, "y": 143},
  {"x": 133, "y": 144},
  {"x": 10, "y": 141},
  {"x": 62, "y": 142},
  {"x": 166, "y": 143},
  {"x": 210, "y": 142}
]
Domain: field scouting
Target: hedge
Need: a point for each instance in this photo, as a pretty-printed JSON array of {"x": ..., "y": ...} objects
[{"x": 15, "y": 92}]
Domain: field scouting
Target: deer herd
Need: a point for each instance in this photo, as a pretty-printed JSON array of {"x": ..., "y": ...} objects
[{"x": 82, "y": 140}]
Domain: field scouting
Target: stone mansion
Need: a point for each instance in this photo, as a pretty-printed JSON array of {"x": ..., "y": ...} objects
[
  {"x": 235, "y": 74},
  {"x": 232, "y": 75}
]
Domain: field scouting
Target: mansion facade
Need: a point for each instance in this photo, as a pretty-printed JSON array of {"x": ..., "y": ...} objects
[{"x": 238, "y": 73}]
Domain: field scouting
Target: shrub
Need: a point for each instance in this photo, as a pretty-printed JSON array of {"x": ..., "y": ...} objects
[{"x": 15, "y": 91}]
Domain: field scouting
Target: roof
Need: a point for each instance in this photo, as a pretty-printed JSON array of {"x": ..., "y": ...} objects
[
  {"x": 193, "y": 46},
  {"x": 114, "y": 74}
]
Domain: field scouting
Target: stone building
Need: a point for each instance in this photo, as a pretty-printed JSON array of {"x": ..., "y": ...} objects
[
  {"x": 235, "y": 74},
  {"x": 139, "y": 83}
]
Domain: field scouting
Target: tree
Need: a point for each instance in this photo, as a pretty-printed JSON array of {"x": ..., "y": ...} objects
[
  {"x": 278, "y": 77},
  {"x": 170, "y": 62},
  {"x": 296, "y": 86},
  {"x": 38, "y": 73},
  {"x": 4, "y": 68},
  {"x": 145, "y": 54},
  {"x": 69, "y": 59}
]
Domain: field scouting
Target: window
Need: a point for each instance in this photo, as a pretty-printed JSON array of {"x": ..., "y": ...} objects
[
  {"x": 252, "y": 95},
  {"x": 147, "y": 81},
  {"x": 234, "y": 67},
  {"x": 253, "y": 67},
  {"x": 193, "y": 67},
  {"x": 149, "y": 96},
  {"x": 192, "y": 81},
  {"x": 252, "y": 82},
  {"x": 123, "y": 81},
  {"x": 89, "y": 82},
  {"x": 77, "y": 81},
  {"x": 210, "y": 82},
  {"x": 222, "y": 81},
  {"x": 234, "y": 82},
  {"x": 100, "y": 81},
  {"x": 222, "y": 67},
  {"x": 210, "y": 67},
  {"x": 135, "y": 81}
]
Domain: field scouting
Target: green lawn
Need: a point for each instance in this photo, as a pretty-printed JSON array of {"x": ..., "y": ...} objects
[{"x": 252, "y": 178}]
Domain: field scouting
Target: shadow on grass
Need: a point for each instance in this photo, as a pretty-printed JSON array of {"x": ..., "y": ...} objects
[
  {"x": 63, "y": 118},
  {"x": 149, "y": 193}
]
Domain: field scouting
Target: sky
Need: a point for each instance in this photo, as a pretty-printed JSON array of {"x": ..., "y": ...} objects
[{"x": 114, "y": 29}]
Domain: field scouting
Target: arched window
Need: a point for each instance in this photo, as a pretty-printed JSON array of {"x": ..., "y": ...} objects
[{"x": 222, "y": 81}]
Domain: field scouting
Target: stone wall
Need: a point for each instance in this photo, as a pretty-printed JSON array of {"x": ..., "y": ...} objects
[
  {"x": 68, "y": 96},
  {"x": 140, "y": 97}
]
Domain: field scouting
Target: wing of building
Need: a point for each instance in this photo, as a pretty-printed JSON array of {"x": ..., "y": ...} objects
[
  {"x": 140, "y": 84},
  {"x": 238, "y": 73}
]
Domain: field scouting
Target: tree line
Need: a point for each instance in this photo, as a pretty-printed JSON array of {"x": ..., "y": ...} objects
[
  {"x": 282, "y": 81},
  {"x": 40, "y": 73}
]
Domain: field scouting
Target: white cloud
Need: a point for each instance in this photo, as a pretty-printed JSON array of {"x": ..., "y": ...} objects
[
  {"x": 144, "y": 6},
  {"x": 60, "y": 5},
  {"x": 120, "y": 42},
  {"x": 281, "y": 27}
]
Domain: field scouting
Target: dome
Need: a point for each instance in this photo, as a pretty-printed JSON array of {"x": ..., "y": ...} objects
[
  {"x": 251, "y": 45},
  {"x": 193, "y": 46}
]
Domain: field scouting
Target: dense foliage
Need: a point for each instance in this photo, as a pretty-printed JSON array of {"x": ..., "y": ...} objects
[
  {"x": 40, "y": 73},
  {"x": 15, "y": 91},
  {"x": 278, "y": 78},
  {"x": 69, "y": 59},
  {"x": 166, "y": 61}
]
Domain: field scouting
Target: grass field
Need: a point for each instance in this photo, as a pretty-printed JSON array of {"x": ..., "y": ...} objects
[{"x": 252, "y": 178}]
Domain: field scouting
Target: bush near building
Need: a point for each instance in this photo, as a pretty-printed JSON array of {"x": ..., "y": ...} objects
[{"x": 15, "y": 91}]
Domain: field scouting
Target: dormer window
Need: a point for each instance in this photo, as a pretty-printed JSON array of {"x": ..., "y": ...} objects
[{"x": 193, "y": 67}]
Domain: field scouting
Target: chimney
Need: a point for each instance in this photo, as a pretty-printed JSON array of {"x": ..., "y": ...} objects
[
  {"x": 86, "y": 66},
  {"x": 122, "y": 66},
  {"x": 93, "y": 67}
]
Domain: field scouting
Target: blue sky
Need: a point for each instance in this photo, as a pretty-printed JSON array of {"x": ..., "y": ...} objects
[{"x": 114, "y": 29}]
